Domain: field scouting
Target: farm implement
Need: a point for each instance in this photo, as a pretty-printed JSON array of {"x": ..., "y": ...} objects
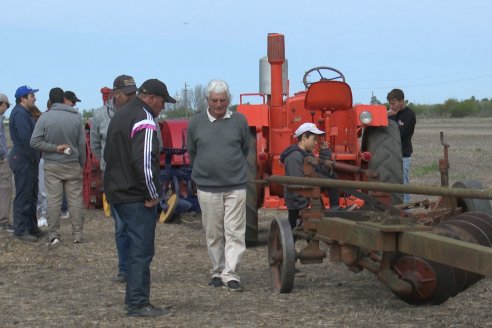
[{"x": 424, "y": 251}]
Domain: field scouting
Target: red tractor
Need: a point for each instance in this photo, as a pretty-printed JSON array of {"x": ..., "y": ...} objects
[{"x": 365, "y": 145}]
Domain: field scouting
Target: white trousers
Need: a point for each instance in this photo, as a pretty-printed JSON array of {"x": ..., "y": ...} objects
[{"x": 224, "y": 221}]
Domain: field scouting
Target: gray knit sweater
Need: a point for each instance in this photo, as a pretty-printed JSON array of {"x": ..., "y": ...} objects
[{"x": 218, "y": 152}]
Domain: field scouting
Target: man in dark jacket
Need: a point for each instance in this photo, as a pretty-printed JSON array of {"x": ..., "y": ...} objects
[
  {"x": 24, "y": 161},
  {"x": 131, "y": 183},
  {"x": 405, "y": 117}
]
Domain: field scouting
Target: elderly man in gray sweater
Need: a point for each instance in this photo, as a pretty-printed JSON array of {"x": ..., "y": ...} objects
[
  {"x": 218, "y": 146},
  {"x": 59, "y": 134}
]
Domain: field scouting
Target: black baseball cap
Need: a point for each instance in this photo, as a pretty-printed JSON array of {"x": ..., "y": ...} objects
[
  {"x": 125, "y": 83},
  {"x": 70, "y": 95},
  {"x": 158, "y": 88},
  {"x": 56, "y": 95}
]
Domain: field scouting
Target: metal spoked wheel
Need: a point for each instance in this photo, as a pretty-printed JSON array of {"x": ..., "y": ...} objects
[{"x": 281, "y": 255}]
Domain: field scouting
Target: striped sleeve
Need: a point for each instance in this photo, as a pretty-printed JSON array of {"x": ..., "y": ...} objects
[{"x": 143, "y": 132}]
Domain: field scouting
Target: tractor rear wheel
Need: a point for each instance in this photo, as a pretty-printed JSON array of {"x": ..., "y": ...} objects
[
  {"x": 384, "y": 143},
  {"x": 252, "y": 194}
]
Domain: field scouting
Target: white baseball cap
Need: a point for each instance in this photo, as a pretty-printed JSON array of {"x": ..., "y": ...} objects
[{"x": 305, "y": 127}]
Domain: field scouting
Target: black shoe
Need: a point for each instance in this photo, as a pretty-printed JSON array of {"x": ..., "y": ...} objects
[
  {"x": 147, "y": 311},
  {"x": 120, "y": 278},
  {"x": 216, "y": 282},
  {"x": 38, "y": 233},
  {"x": 26, "y": 237},
  {"x": 234, "y": 286}
]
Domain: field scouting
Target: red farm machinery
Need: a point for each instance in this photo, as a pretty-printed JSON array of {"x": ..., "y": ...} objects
[
  {"x": 425, "y": 251},
  {"x": 178, "y": 191}
]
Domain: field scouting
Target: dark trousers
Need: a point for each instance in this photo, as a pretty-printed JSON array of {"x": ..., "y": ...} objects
[
  {"x": 64, "y": 205},
  {"x": 122, "y": 242},
  {"x": 26, "y": 196},
  {"x": 293, "y": 218},
  {"x": 139, "y": 223}
]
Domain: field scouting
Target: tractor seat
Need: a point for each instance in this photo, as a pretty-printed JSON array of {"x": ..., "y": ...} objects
[{"x": 328, "y": 95}]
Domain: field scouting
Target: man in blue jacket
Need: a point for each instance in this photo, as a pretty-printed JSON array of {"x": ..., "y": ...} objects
[{"x": 24, "y": 161}]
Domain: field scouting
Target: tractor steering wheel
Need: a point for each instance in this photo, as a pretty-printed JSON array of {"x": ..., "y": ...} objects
[{"x": 322, "y": 72}]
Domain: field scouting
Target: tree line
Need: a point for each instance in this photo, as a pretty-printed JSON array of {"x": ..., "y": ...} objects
[{"x": 451, "y": 108}]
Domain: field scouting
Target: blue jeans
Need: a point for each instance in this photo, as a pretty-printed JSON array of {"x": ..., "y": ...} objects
[
  {"x": 26, "y": 195},
  {"x": 406, "y": 176},
  {"x": 139, "y": 223},
  {"x": 122, "y": 242}
]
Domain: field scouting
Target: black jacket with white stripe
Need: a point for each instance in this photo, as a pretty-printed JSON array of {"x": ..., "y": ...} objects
[{"x": 132, "y": 155}]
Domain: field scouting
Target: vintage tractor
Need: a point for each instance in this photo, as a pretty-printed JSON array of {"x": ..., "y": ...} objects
[{"x": 359, "y": 136}]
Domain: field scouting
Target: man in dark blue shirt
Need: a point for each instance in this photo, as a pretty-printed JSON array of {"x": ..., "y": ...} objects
[{"x": 24, "y": 161}]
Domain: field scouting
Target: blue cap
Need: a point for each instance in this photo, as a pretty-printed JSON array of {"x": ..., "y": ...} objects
[{"x": 24, "y": 90}]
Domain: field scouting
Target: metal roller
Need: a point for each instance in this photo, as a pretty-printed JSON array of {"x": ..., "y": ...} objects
[{"x": 433, "y": 282}]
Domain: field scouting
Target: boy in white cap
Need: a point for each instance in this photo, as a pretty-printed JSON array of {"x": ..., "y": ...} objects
[{"x": 293, "y": 159}]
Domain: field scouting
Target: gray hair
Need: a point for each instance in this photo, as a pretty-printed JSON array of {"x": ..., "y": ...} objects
[{"x": 218, "y": 86}]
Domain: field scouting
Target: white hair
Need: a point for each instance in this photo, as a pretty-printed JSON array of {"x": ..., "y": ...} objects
[{"x": 218, "y": 86}]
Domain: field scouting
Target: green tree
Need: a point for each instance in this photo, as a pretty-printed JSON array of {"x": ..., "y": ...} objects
[
  {"x": 465, "y": 108},
  {"x": 87, "y": 113}
]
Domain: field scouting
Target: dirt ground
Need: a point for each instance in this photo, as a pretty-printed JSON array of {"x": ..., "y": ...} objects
[{"x": 70, "y": 286}]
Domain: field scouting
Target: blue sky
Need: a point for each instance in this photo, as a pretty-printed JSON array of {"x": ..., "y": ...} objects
[{"x": 433, "y": 50}]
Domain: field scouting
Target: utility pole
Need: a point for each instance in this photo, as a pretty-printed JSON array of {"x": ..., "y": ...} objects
[{"x": 186, "y": 99}]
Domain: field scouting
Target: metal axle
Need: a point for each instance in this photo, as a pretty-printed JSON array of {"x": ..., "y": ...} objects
[{"x": 385, "y": 187}]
